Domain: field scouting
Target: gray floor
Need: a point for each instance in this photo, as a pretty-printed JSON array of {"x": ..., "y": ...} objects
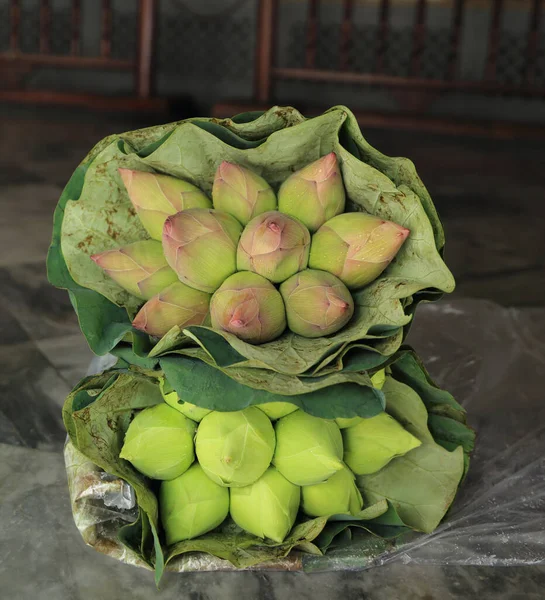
[{"x": 490, "y": 195}]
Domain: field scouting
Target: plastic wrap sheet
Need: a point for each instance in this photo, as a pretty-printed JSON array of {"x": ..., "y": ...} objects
[{"x": 493, "y": 360}]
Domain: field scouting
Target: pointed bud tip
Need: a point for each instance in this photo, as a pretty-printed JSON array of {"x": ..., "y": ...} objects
[
  {"x": 140, "y": 322},
  {"x": 126, "y": 176},
  {"x": 404, "y": 233},
  {"x": 226, "y": 167},
  {"x": 274, "y": 227},
  {"x": 167, "y": 227}
]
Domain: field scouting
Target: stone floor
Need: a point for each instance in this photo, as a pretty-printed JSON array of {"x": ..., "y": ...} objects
[{"x": 490, "y": 195}]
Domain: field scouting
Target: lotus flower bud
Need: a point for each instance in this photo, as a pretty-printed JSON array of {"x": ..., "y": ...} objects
[
  {"x": 250, "y": 307},
  {"x": 308, "y": 449},
  {"x": 268, "y": 507},
  {"x": 191, "y": 411},
  {"x": 372, "y": 443},
  {"x": 139, "y": 268},
  {"x": 356, "y": 247},
  {"x": 273, "y": 245},
  {"x": 317, "y": 303},
  {"x": 235, "y": 448},
  {"x": 156, "y": 197},
  {"x": 192, "y": 505},
  {"x": 378, "y": 380},
  {"x": 178, "y": 304},
  {"x": 314, "y": 194},
  {"x": 201, "y": 246},
  {"x": 159, "y": 442},
  {"x": 277, "y": 410},
  {"x": 339, "y": 495},
  {"x": 241, "y": 192}
]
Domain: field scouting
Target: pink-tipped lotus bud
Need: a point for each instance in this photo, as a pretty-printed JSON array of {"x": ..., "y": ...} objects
[
  {"x": 317, "y": 303},
  {"x": 155, "y": 197},
  {"x": 241, "y": 192},
  {"x": 250, "y": 307},
  {"x": 356, "y": 247},
  {"x": 201, "y": 246},
  {"x": 274, "y": 245},
  {"x": 139, "y": 268},
  {"x": 314, "y": 194},
  {"x": 178, "y": 304}
]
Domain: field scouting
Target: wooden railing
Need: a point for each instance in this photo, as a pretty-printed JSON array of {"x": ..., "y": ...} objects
[
  {"x": 15, "y": 64},
  {"x": 268, "y": 72},
  {"x": 415, "y": 89}
]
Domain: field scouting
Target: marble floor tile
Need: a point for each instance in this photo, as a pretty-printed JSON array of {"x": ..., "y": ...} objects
[
  {"x": 11, "y": 331},
  {"x": 43, "y": 557},
  {"x": 26, "y": 220},
  {"x": 43, "y": 311},
  {"x": 31, "y": 396},
  {"x": 70, "y": 355}
]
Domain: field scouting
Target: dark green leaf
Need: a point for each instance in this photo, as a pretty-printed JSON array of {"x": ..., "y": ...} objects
[{"x": 203, "y": 385}]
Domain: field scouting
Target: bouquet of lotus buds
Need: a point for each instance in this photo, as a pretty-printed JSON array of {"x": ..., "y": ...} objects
[{"x": 255, "y": 278}]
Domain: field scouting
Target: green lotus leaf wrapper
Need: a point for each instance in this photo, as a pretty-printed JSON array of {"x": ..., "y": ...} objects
[
  {"x": 131, "y": 184},
  {"x": 411, "y": 493}
]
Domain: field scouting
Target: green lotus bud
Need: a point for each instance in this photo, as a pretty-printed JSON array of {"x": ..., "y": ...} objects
[
  {"x": 339, "y": 495},
  {"x": 308, "y": 449},
  {"x": 191, "y": 505},
  {"x": 140, "y": 268},
  {"x": 178, "y": 304},
  {"x": 241, "y": 192},
  {"x": 378, "y": 380},
  {"x": 317, "y": 303},
  {"x": 372, "y": 443},
  {"x": 356, "y": 247},
  {"x": 314, "y": 194},
  {"x": 273, "y": 245},
  {"x": 201, "y": 246},
  {"x": 277, "y": 410},
  {"x": 235, "y": 448},
  {"x": 268, "y": 507},
  {"x": 250, "y": 307},
  {"x": 159, "y": 442},
  {"x": 155, "y": 197},
  {"x": 170, "y": 396}
]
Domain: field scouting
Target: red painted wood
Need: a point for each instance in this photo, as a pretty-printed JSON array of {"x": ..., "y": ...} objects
[
  {"x": 146, "y": 31},
  {"x": 264, "y": 51}
]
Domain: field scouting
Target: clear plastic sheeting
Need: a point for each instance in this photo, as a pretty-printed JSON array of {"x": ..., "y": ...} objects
[{"x": 493, "y": 361}]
